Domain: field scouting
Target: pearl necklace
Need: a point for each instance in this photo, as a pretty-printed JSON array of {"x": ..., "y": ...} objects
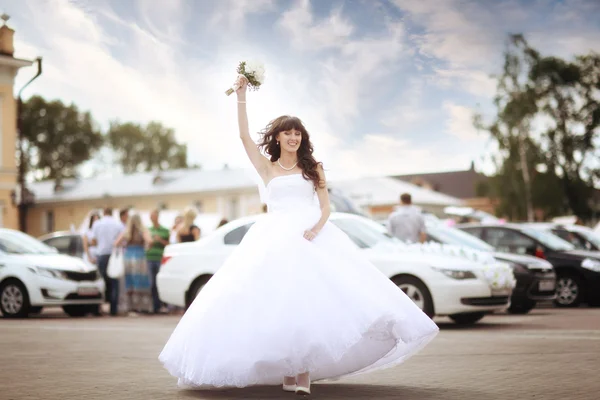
[{"x": 287, "y": 169}]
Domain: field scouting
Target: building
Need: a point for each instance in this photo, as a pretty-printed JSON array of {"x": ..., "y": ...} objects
[
  {"x": 9, "y": 66},
  {"x": 378, "y": 196},
  {"x": 229, "y": 193},
  {"x": 459, "y": 184}
]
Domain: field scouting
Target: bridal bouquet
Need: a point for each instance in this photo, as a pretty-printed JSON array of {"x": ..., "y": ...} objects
[{"x": 254, "y": 72}]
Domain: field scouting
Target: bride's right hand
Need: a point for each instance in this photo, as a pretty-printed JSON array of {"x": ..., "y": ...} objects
[{"x": 242, "y": 82}]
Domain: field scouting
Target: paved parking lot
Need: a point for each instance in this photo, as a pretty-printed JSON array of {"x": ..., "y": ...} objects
[{"x": 548, "y": 354}]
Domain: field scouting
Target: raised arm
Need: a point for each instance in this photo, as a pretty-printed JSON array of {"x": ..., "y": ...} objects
[{"x": 260, "y": 162}]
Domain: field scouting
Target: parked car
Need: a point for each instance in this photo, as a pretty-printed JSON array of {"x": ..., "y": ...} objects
[
  {"x": 578, "y": 271},
  {"x": 536, "y": 280},
  {"x": 439, "y": 285},
  {"x": 66, "y": 242},
  {"x": 33, "y": 275},
  {"x": 581, "y": 237}
]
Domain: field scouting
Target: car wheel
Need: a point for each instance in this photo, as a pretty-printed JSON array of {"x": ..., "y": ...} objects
[
  {"x": 521, "y": 307},
  {"x": 14, "y": 299},
  {"x": 569, "y": 291},
  {"x": 195, "y": 288},
  {"x": 77, "y": 311},
  {"x": 416, "y": 290},
  {"x": 467, "y": 319}
]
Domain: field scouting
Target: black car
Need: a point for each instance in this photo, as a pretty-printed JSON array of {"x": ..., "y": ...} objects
[
  {"x": 577, "y": 271},
  {"x": 536, "y": 280},
  {"x": 579, "y": 236}
]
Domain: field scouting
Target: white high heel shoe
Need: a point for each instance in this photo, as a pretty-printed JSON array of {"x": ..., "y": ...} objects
[
  {"x": 289, "y": 388},
  {"x": 303, "y": 390}
]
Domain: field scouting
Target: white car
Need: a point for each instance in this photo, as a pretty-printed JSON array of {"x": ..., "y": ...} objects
[
  {"x": 33, "y": 275},
  {"x": 438, "y": 284}
]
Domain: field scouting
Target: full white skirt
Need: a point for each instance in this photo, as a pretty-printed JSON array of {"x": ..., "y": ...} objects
[{"x": 282, "y": 305}]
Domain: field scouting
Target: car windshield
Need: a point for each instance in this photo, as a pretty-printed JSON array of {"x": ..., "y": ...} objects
[
  {"x": 457, "y": 237},
  {"x": 590, "y": 236},
  {"x": 15, "y": 242},
  {"x": 549, "y": 240},
  {"x": 364, "y": 233}
]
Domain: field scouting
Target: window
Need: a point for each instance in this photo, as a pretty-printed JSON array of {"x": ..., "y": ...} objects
[
  {"x": 457, "y": 237},
  {"x": 477, "y": 232},
  {"x": 63, "y": 244},
  {"x": 235, "y": 236},
  {"x": 233, "y": 208},
  {"x": 572, "y": 238},
  {"x": 362, "y": 234},
  {"x": 510, "y": 241},
  {"x": 549, "y": 240},
  {"x": 48, "y": 221}
]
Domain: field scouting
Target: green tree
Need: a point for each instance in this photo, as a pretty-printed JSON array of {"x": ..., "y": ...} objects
[
  {"x": 57, "y": 138},
  {"x": 552, "y": 167},
  {"x": 146, "y": 148}
]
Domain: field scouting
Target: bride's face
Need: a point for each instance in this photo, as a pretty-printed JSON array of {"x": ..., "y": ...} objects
[{"x": 290, "y": 140}]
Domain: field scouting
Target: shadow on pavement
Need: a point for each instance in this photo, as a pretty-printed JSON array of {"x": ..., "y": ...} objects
[{"x": 339, "y": 391}]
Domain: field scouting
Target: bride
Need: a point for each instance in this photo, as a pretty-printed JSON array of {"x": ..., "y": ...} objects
[{"x": 296, "y": 301}]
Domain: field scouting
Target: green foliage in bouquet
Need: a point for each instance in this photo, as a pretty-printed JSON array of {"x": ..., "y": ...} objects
[{"x": 253, "y": 82}]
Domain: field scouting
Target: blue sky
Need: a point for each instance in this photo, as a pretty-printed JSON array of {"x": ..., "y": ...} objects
[{"x": 383, "y": 86}]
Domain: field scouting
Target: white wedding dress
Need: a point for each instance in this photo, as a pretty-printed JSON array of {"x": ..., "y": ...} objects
[{"x": 282, "y": 305}]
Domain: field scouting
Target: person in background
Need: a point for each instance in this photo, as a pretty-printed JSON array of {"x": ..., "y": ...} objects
[
  {"x": 104, "y": 232},
  {"x": 407, "y": 222},
  {"x": 137, "y": 281},
  {"x": 188, "y": 232},
  {"x": 222, "y": 222},
  {"x": 159, "y": 238},
  {"x": 174, "y": 237},
  {"x": 124, "y": 216},
  {"x": 90, "y": 252}
]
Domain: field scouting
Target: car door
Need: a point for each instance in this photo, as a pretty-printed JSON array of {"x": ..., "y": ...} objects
[{"x": 510, "y": 241}]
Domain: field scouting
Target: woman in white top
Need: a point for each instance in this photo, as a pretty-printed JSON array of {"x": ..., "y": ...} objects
[{"x": 90, "y": 253}]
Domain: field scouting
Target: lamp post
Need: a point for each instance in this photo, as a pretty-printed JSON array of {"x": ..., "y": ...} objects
[{"x": 24, "y": 196}]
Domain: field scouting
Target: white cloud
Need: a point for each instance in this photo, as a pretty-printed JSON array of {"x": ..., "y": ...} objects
[
  {"x": 460, "y": 122},
  {"x": 379, "y": 154},
  {"x": 231, "y": 14},
  {"x": 305, "y": 33}
]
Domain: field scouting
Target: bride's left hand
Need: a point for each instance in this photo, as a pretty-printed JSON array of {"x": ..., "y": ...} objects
[{"x": 309, "y": 235}]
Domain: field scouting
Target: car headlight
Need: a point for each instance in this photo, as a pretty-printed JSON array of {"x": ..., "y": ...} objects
[
  {"x": 456, "y": 274},
  {"x": 50, "y": 273},
  {"x": 593, "y": 265}
]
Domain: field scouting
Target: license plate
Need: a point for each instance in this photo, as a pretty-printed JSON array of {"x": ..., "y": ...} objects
[
  {"x": 87, "y": 291},
  {"x": 546, "y": 286}
]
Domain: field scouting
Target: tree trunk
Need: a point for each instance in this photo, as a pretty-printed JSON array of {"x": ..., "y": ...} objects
[{"x": 525, "y": 172}]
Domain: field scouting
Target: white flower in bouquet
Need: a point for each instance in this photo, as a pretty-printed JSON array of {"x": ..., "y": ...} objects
[{"x": 253, "y": 71}]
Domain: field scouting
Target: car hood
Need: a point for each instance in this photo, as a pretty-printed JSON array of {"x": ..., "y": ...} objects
[
  {"x": 426, "y": 255},
  {"x": 60, "y": 262},
  {"x": 530, "y": 262}
]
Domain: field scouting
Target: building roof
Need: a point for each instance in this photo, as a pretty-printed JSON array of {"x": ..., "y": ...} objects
[
  {"x": 460, "y": 184},
  {"x": 144, "y": 184},
  {"x": 375, "y": 191},
  {"x": 365, "y": 191}
]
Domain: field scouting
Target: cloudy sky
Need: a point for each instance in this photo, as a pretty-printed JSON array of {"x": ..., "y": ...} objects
[{"x": 383, "y": 86}]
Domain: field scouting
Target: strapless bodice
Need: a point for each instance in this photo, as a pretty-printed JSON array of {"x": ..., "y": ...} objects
[{"x": 290, "y": 192}]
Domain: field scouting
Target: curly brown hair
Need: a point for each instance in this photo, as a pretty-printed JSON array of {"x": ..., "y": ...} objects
[{"x": 306, "y": 161}]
